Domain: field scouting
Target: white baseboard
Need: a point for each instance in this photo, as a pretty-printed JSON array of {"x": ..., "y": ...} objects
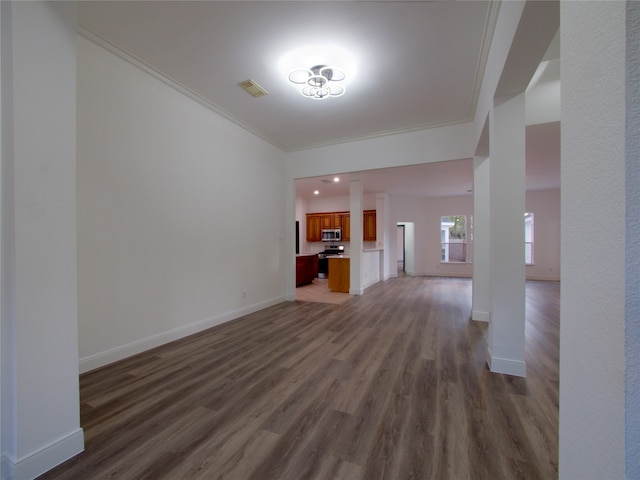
[
  {"x": 101, "y": 359},
  {"x": 43, "y": 460},
  {"x": 517, "y": 368},
  {"x": 480, "y": 316}
]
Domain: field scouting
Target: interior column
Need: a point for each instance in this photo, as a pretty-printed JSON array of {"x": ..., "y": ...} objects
[
  {"x": 357, "y": 243},
  {"x": 40, "y": 392},
  {"x": 506, "y": 236},
  {"x": 384, "y": 227},
  {"x": 481, "y": 296}
]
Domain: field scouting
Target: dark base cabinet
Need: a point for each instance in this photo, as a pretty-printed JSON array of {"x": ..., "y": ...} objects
[{"x": 306, "y": 269}]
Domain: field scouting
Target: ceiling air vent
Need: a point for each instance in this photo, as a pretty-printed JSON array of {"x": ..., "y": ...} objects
[{"x": 253, "y": 88}]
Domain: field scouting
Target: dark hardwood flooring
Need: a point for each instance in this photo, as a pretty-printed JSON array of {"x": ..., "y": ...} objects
[{"x": 392, "y": 384}]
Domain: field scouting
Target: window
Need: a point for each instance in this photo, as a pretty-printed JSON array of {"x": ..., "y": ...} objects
[
  {"x": 453, "y": 238},
  {"x": 528, "y": 238}
]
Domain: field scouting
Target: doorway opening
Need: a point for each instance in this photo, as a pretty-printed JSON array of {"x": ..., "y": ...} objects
[{"x": 400, "y": 244}]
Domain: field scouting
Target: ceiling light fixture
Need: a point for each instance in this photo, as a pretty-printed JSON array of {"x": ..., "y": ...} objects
[{"x": 319, "y": 82}]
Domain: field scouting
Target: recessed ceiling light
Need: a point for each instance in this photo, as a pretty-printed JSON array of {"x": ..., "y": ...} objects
[{"x": 316, "y": 192}]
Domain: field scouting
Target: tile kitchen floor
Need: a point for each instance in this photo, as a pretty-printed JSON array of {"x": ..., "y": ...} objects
[{"x": 318, "y": 291}]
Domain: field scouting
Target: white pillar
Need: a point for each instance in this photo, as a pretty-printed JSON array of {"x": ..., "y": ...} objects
[
  {"x": 40, "y": 393},
  {"x": 594, "y": 41},
  {"x": 507, "y": 205},
  {"x": 384, "y": 232},
  {"x": 356, "y": 241},
  {"x": 481, "y": 296},
  {"x": 289, "y": 239},
  {"x": 632, "y": 245}
]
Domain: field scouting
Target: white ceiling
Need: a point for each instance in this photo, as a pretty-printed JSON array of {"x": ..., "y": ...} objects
[{"x": 418, "y": 66}]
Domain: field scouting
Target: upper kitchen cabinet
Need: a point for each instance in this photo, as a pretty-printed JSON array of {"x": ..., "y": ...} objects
[
  {"x": 314, "y": 228},
  {"x": 331, "y": 220},
  {"x": 369, "y": 225},
  {"x": 316, "y": 222},
  {"x": 346, "y": 227}
]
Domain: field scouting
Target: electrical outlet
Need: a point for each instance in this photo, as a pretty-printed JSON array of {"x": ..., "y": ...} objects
[{"x": 244, "y": 294}]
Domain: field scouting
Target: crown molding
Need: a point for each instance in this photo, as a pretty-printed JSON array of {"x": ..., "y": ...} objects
[{"x": 487, "y": 37}]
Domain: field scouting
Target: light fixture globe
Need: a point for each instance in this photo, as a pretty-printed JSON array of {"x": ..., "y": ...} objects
[
  {"x": 319, "y": 82},
  {"x": 319, "y": 71}
]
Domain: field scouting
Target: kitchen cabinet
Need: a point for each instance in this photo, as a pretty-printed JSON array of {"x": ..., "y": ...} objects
[
  {"x": 318, "y": 221},
  {"x": 331, "y": 220},
  {"x": 306, "y": 269},
  {"x": 314, "y": 228},
  {"x": 339, "y": 274},
  {"x": 325, "y": 221},
  {"x": 369, "y": 226},
  {"x": 346, "y": 227}
]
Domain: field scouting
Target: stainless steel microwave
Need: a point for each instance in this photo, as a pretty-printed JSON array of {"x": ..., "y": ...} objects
[{"x": 331, "y": 235}]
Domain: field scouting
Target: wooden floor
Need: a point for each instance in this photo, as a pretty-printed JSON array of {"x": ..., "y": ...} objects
[{"x": 392, "y": 384}]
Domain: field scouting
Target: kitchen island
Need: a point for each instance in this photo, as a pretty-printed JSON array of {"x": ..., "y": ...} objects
[{"x": 339, "y": 274}]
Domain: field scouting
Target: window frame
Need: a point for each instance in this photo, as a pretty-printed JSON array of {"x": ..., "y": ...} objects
[
  {"x": 445, "y": 252},
  {"x": 529, "y": 235}
]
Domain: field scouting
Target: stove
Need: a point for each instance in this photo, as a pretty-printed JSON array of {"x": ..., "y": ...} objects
[
  {"x": 323, "y": 262},
  {"x": 332, "y": 251}
]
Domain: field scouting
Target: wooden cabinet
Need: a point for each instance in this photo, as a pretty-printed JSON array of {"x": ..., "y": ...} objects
[
  {"x": 346, "y": 227},
  {"x": 331, "y": 220},
  {"x": 318, "y": 221},
  {"x": 314, "y": 228},
  {"x": 339, "y": 274},
  {"x": 306, "y": 269},
  {"x": 369, "y": 226}
]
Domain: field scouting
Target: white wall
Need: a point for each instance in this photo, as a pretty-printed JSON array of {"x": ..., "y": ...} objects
[
  {"x": 426, "y": 146},
  {"x": 425, "y": 213},
  {"x": 370, "y": 268},
  {"x": 180, "y": 213},
  {"x": 40, "y": 402},
  {"x": 340, "y": 203},
  {"x": 592, "y": 304}
]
